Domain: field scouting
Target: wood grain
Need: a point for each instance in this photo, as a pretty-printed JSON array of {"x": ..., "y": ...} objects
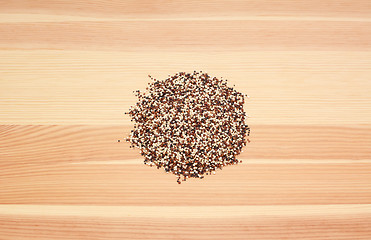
[
  {"x": 196, "y": 34},
  {"x": 322, "y": 226},
  {"x": 86, "y": 87},
  {"x": 136, "y": 184},
  {"x": 67, "y": 72}
]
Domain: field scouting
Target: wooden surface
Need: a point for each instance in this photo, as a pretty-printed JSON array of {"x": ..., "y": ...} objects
[{"x": 67, "y": 72}]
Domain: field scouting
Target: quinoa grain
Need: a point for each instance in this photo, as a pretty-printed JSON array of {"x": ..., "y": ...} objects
[{"x": 189, "y": 124}]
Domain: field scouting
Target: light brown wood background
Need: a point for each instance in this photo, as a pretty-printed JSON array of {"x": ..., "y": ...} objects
[{"x": 67, "y": 72}]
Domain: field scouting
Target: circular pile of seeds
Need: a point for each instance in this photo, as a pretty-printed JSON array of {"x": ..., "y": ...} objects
[{"x": 189, "y": 124}]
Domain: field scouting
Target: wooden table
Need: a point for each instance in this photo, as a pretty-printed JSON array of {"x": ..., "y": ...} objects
[{"x": 67, "y": 72}]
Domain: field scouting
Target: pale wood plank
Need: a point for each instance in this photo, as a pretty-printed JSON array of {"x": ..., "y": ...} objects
[
  {"x": 188, "y": 35},
  {"x": 184, "y": 212},
  {"x": 298, "y": 226},
  {"x": 77, "y": 87},
  {"x": 191, "y": 8},
  {"x": 116, "y": 184}
]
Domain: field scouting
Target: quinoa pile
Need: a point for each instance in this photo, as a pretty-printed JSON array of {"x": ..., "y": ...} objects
[{"x": 189, "y": 124}]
